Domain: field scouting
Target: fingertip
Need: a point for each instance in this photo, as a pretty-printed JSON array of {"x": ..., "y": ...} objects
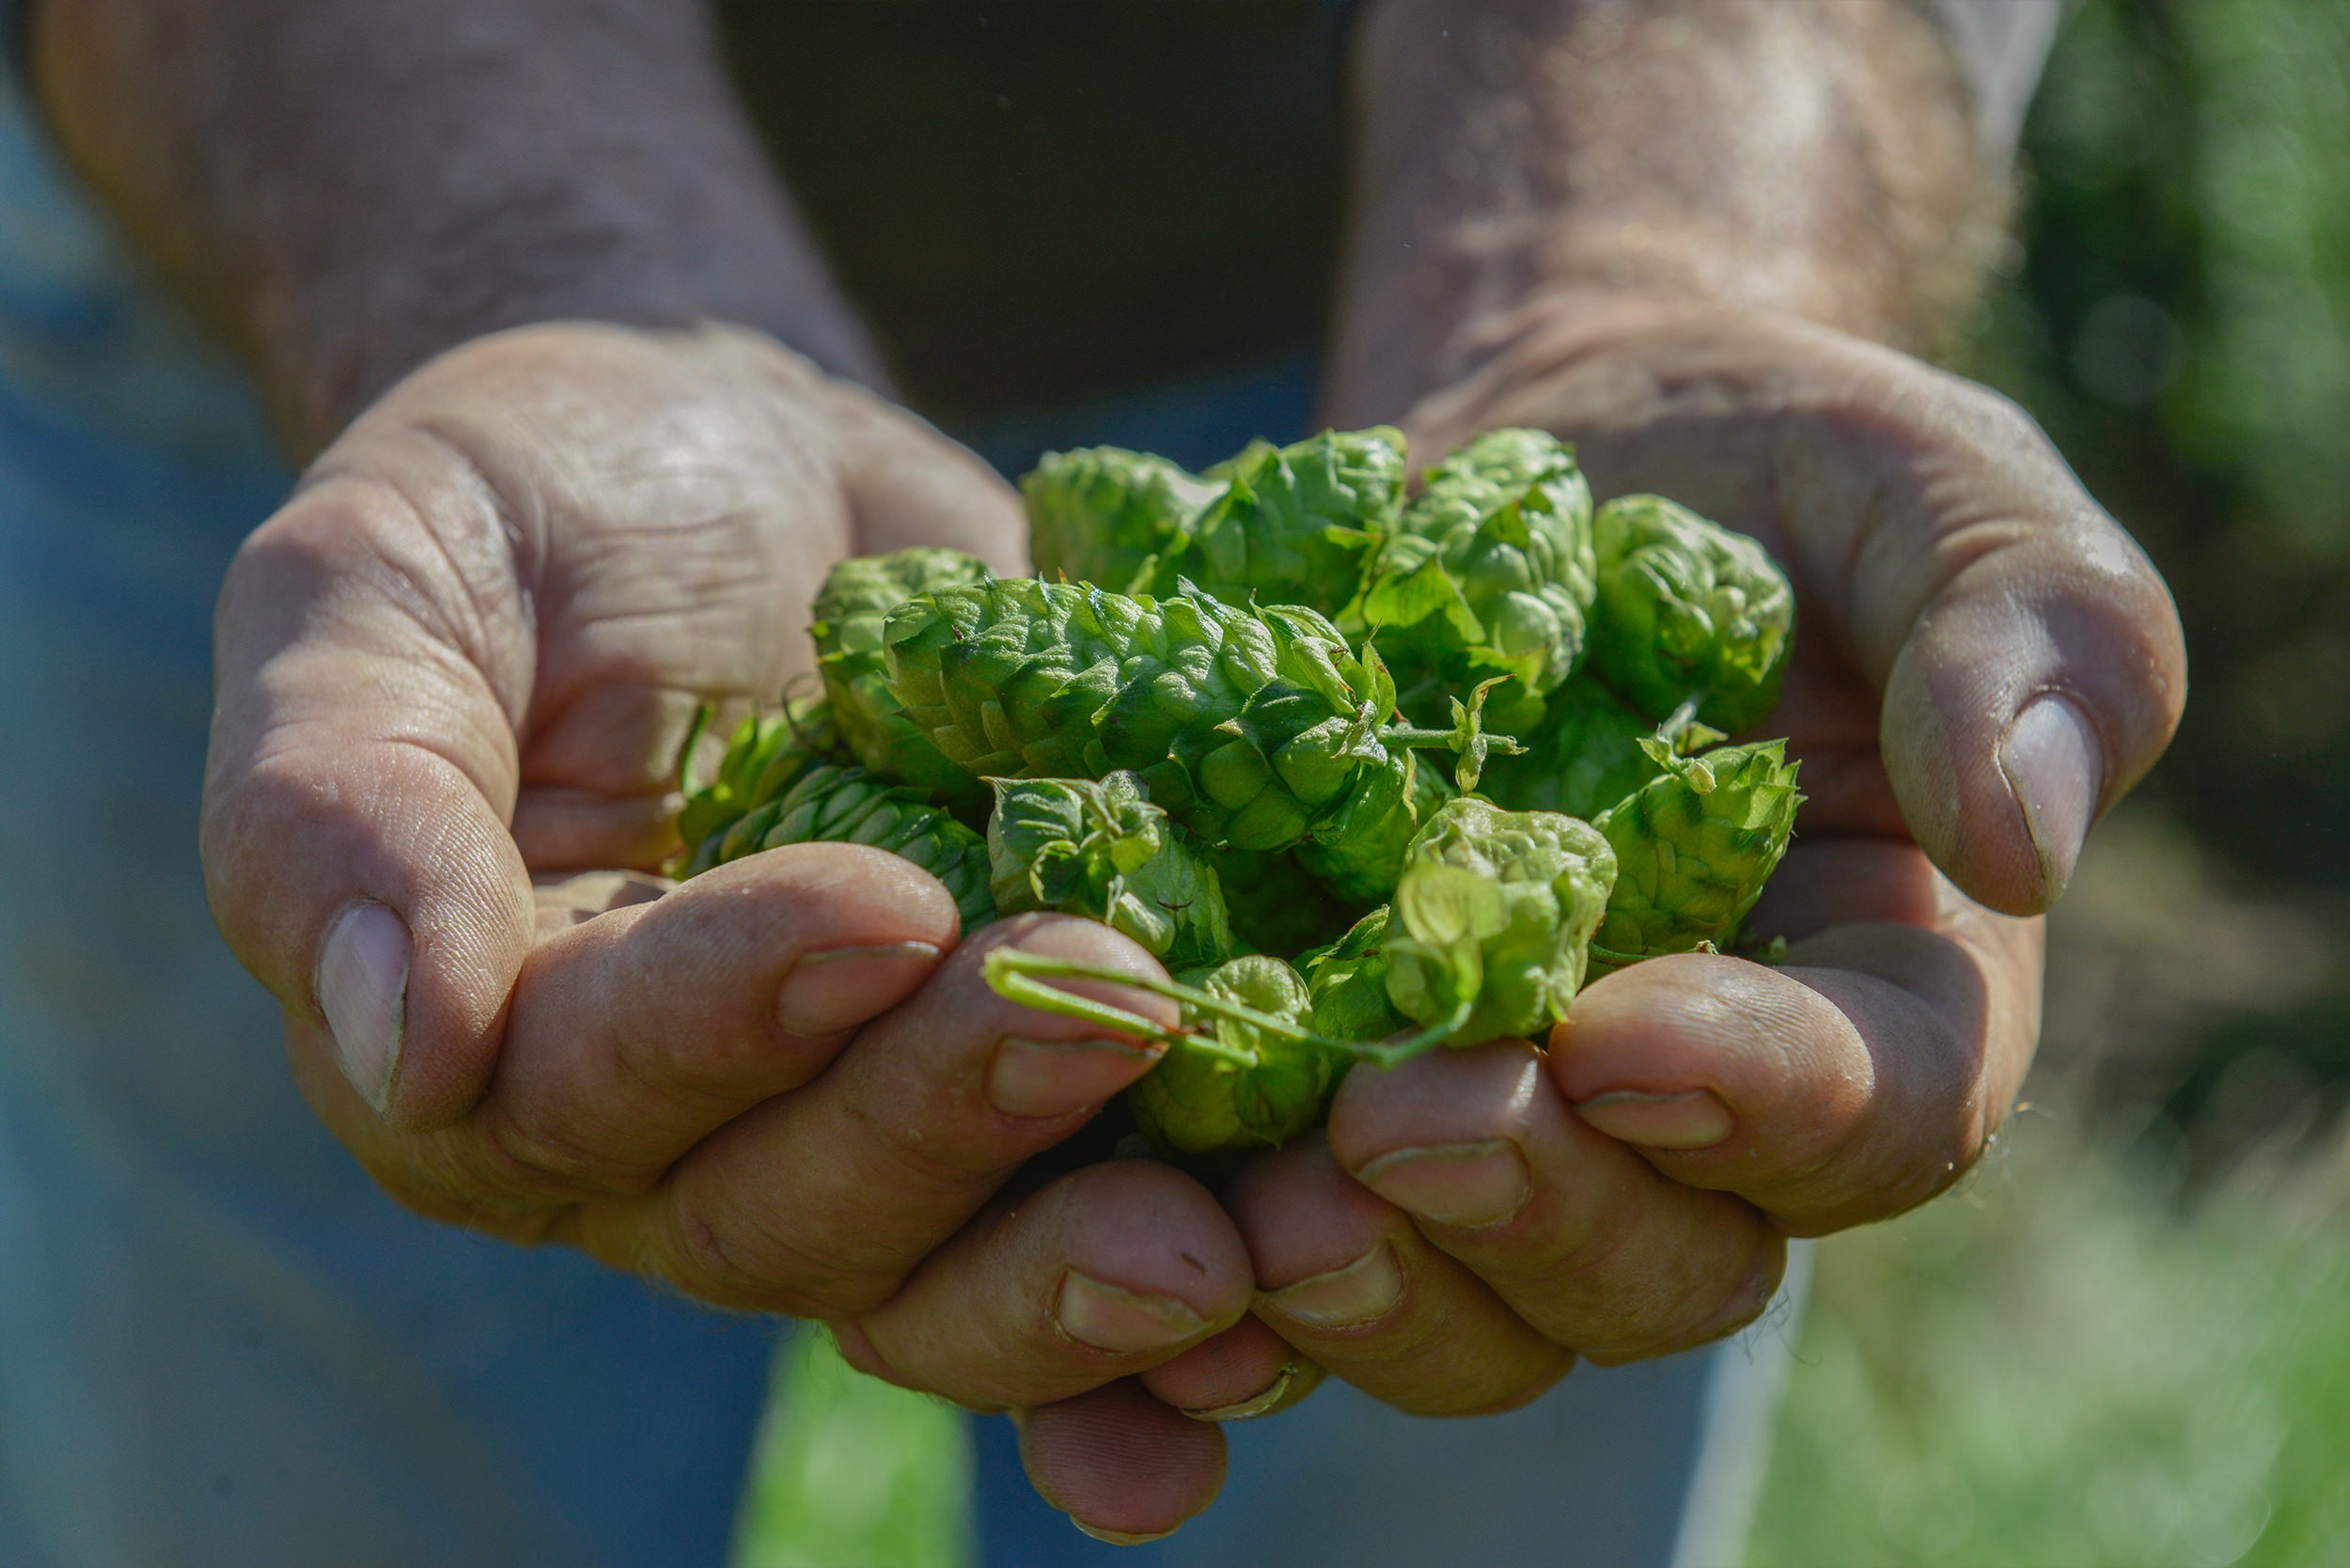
[{"x": 1122, "y": 1465}]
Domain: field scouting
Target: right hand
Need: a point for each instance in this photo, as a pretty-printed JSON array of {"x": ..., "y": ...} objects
[{"x": 464, "y": 657}]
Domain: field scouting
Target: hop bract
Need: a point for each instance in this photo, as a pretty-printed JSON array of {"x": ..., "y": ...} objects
[
  {"x": 1259, "y": 1091},
  {"x": 1102, "y": 850},
  {"x": 849, "y": 611}
]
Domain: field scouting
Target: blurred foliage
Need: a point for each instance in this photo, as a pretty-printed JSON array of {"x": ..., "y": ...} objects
[
  {"x": 850, "y": 1472},
  {"x": 2181, "y": 324},
  {"x": 2050, "y": 1368}
]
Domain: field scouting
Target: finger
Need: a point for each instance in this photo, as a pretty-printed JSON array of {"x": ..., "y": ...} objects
[
  {"x": 1245, "y": 1371},
  {"x": 636, "y": 1034},
  {"x": 362, "y": 768},
  {"x": 1583, "y": 1239},
  {"x": 1852, "y": 1084},
  {"x": 1101, "y": 1273},
  {"x": 2030, "y": 657},
  {"x": 818, "y": 1202},
  {"x": 1124, "y": 1466},
  {"x": 1345, "y": 1277},
  {"x": 912, "y": 488}
]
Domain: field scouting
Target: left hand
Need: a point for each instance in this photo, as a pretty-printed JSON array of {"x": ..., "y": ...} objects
[{"x": 1984, "y": 662}]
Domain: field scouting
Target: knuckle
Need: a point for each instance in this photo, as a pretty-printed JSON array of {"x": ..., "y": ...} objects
[
  {"x": 529, "y": 1155},
  {"x": 732, "y": 1260}
]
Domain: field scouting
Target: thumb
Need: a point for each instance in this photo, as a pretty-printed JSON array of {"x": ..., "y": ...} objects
[
  {"x": 362, "y": 774},
  {"x": 2036, "y": 670}
]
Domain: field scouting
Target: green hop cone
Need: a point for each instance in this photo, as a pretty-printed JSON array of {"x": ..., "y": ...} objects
[
  {"x": 1490, "y": 569},
  {"x": 1102, "y": 850},
  {"x": 820, "y": 802},
  {"x": 1688, "y": 609},
  {"x": 1585, "y": 755},
  {"x": 1360, "y": 850},
  {"x": 1347, "y": 983},
  {"x": 1276, "y": 904},
  {"x": 1252, "y": 1089},
  {"x": 849, "y": 611},
  {"x": 1493, "y": 918},
  {"x": 787, "y": 743},
  {"x": 1110, "y": 516},
  {"x": 1247, "y": 725},
  {"x": 1294, "y": 522},
  {"x": 1694, "y": 847}
]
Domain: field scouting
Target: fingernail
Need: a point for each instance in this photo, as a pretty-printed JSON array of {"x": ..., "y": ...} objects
[
  {"x": 1363, "y": 1291},
  {"x": 828, "y": 992},
  {"x": 1120, "y": 1537},
  {"x": 1691, "y": 1119},
  {"x": 1467, "y": 1186},
  {"x": 2052, "y": 762},
  {"x": 1050, "y": 1077},
  {"x": 362, "y": 991},
  {"x": 1257, "y": 1403},
  {"x": 1110, "y": 1317}
]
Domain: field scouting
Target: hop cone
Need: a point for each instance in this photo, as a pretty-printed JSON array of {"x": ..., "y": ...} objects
[
  {"x": 1694, "y": 847},
  {"x": 1276, "y": 904},
  {"x": 1247, "y": 725},
  {"x": 1490, "y": 569},
  {"x": 769, "y": 752},
  {"x": 850, "y": 610},
  {"x": 1347, "y": 983},
  {"x": 1493, "y": 918},
  {"x": 1103, "y": 850},
  {"x": 1294, "y": 522},
  {"x": 1110, "y": 516},
  {"x": 1581, "y": 758},
  {"x": 1360, "y": 850},
  {"x": 1687, "y": 608},
  {"x": 801, "y": 800},
  {"x": 1195, "y": 1103}
]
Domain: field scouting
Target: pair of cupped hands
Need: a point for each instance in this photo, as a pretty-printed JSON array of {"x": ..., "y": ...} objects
[{"x": 455, "y": 671}]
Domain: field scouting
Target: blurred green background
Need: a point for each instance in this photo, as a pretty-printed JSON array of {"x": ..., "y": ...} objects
[{"x": 2126, "y": 1339}]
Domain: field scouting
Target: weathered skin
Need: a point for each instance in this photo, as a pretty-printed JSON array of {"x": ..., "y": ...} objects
[
  {"x": 1489, "y": 569},
  {"x": 1248, "y": 726},
  {"x": 1196, "y": 1103},
  {"x": 1110, "y": 516},
  {"x": 1694, "y": 847},
  {"x": 1493, "y": 918},
  {"x": 850, "y": 610},
  {"x": 1687, "y": 608},
  {"x": 1102, "y": 850}
]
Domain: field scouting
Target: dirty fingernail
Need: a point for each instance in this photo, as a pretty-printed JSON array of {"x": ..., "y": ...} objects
[
  {"x": 1110, "y": 1317},
  {"x": 1051, "y": 1078},
  {"x": 828, "y": 992},
  {"x": 1469, "y": 1186},
  {"x": 362, "y": 991},
  {"x": 1293, "y": 1379},
  {"x": 1690, "y": 1119},
  {"x": 1361, "y": 1292},
  {"x": 2052, "y": 762},
  {"x": 1120, "y": 1537}
]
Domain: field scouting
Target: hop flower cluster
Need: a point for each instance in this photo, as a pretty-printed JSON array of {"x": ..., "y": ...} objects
[{"x": 1218, "y": 722}]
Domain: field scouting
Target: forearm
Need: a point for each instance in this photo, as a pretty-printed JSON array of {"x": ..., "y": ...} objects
[
  {"x": 350, "y": 186},
  {"x": 1528, "y": 158}
]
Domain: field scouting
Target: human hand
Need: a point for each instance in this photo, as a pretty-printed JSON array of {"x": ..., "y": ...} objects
[
  {"x": 1984, "y": 662},
  {"x": 463, "y": 656}
]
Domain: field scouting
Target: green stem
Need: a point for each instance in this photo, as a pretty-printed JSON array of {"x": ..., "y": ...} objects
[
  {"x": 1015, "y": 977},
  {"x": 685, "y": 753}
]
